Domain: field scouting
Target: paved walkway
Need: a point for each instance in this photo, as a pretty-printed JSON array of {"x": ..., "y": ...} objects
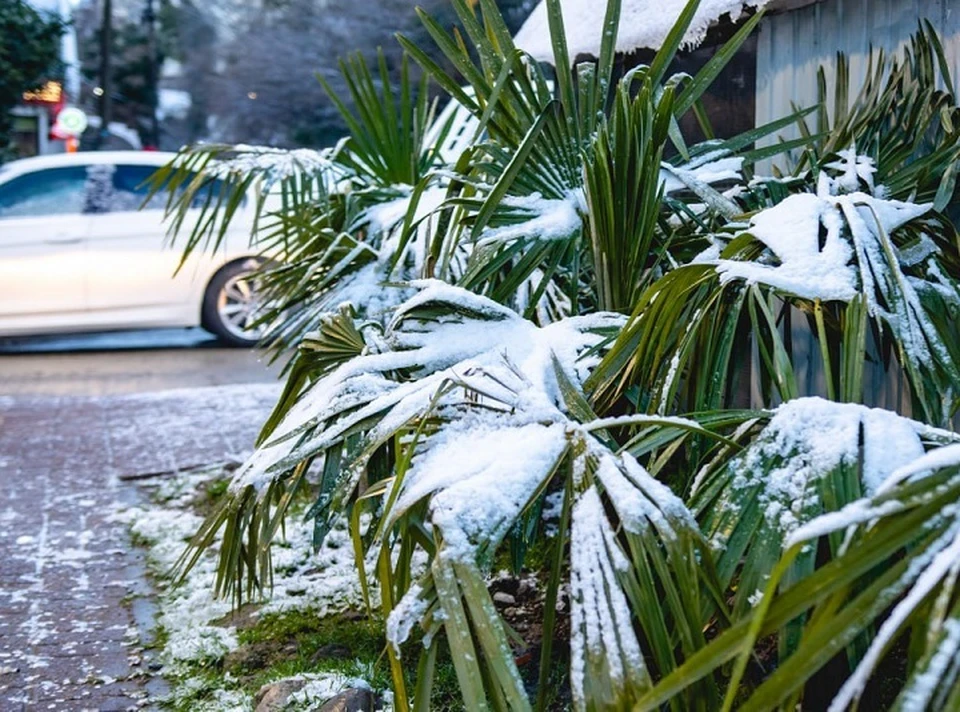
[
  {"x": 129, "y": 362},
  {"x": 74, "y": 605}
]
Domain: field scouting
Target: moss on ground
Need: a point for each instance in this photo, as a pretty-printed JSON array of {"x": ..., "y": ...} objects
[{"x": 280, "y": 645}]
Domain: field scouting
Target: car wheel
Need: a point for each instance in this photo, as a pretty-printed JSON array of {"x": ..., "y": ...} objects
[{"x": 231, "y": 304}]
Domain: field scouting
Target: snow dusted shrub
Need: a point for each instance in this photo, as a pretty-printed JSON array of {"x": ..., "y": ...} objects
[
  {"x": 476, "y": 410},
  {"x": 812, "y": 457},
  {"x": 442, "y": 413},
  {"x": 895, "y": 573}
]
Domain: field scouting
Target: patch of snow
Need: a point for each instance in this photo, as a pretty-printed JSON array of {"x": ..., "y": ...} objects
[
  {"x": 385, "y": 216},
  {"x": 326, "y": 582},
  {"x": 809, "y": 437},
  {"x": 320, "y": 688},
  {"x": 481, "y": 472},
  {"x": 706, "y": 169},
  {"x": 405, "y": 615},
  {"x": 792, "y": 230},
  {"x": 275, "y": 164},
  {"x": 643, "y": 24},
  {"x": 541, "y": 219},
  {"x": 855, "y": 172}
]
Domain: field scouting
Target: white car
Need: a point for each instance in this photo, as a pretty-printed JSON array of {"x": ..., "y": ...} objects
[{"x": 77, "y": 253}]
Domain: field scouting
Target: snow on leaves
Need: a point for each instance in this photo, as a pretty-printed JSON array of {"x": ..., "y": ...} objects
[
  {"x": 806, "y": 441},
  {"x": 276, "y": 164},
  {"x": 836, "y": 244}
]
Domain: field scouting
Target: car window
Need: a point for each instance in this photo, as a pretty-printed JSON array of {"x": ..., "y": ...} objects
[
  {"x": 55, "y": 191},
  {"x": 131, "y": 182},
  {"x": 131, "y": 185}
]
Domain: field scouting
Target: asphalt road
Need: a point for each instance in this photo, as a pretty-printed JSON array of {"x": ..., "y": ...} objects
[{"x": 125, "y": 362}]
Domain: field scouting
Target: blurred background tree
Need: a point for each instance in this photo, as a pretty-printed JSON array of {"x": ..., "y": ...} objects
[
  {"x": 29, "y": 56},
  {"x": 267, "y": 91},
  {"x": 245, "y": 71}
]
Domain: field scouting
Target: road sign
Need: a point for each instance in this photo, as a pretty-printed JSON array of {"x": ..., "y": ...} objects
[{"x": 71, "y": 121}]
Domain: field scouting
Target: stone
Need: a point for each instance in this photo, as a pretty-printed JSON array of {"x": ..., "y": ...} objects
[
  {"x": 502, "y": 598},
  {"x": 274, "y": 696},
  {"x": 355, "y": 699},
  {"x": 505, "y": 583}
]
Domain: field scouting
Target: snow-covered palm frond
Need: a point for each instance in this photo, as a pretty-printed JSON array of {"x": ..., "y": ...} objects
[
  {"x": 812, "y": 457},
  {"x": 440, "y": 339},
  {"x": 451, "y": 427},
  {"x": 336, "y": 223},
  {"x": 843, "y": 242},
  {"x": 895, "y": 569},
  {"x": 209, "y": 185},
  {"x": 629, "y": 537},
  {"x": 847, "y": 259}
]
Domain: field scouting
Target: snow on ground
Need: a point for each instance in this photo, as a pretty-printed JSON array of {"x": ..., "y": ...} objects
[{"x": 190, "y": 616}]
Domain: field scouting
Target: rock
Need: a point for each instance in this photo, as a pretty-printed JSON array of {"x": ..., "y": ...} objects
[
  {"x": 505, "y": 583},
  {"x": 331, "y": 650},
  {"x": 355, "y": 699},
  {"x": 527, "y": 588},
  {"x": 502, "y": 598},
  {"x": 255, "y": 656},
  {"x": 273, "y": 696}
]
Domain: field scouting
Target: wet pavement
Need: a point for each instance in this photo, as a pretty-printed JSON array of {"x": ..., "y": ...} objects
[
  {"x": 75, "y": 605},
  {"x": 126, "y": 362}
]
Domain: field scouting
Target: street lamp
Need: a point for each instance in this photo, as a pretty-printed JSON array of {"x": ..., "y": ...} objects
[{"x": 152, "y": 79}]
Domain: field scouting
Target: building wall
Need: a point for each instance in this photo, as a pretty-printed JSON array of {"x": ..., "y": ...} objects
[{"x": 793, "y": 44}]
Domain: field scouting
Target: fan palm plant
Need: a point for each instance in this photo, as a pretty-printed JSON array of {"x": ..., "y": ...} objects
[
  {"x": 572, "y": 319},
  {"x": 549, "y": 197},
  {"x": 895, "y": 566},
  {"x": 332, "y": 217},
  {"x": 390, "y": 417}
]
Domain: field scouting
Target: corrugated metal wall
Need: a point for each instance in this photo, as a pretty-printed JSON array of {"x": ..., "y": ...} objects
[{"x": 791, "y": 47}]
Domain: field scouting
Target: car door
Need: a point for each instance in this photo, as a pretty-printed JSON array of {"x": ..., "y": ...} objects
[
  {"x": 42, "y": 244},
  {"x": 131, "y": 266}
]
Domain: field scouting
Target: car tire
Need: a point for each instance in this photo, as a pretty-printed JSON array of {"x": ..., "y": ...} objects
[{"x": 229, "y": 301}]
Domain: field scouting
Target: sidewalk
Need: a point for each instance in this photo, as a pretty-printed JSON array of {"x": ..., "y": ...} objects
[{"x": 74, "y": 603}]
